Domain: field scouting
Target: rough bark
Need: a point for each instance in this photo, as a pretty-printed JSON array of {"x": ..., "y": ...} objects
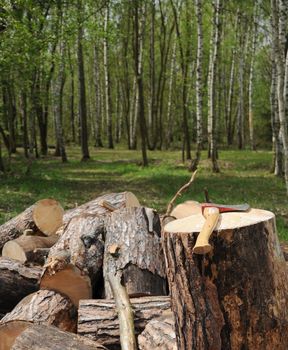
[
  {"x": 74, "y": 263},
  {"x": 108, "y": 102},
  {"x": 97, "y": 205},
  {"x": 97, "y": 319},
  {"x": 52, "y": 339},
  {"x": 16, "y": 281},
  {"x": 159, "y": 334},
  {"x": 24, "y": 248},
  {"x": 43, "y": 307},
  {"x": 135, "y": 233},
  {"x": 235, "y": 297},
  {"x": 82, "y": 89}
]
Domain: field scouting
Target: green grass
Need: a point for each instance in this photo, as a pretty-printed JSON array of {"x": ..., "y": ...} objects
[{"x": 245, "y": 177}]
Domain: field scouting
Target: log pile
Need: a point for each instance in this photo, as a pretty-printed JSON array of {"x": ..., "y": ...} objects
[{"x": 85, "y": 278}]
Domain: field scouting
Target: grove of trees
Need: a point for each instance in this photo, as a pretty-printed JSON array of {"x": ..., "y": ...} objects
[{"x": 197, "y": 75}]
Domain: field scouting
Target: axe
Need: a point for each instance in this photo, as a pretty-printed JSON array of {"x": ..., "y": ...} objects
[{"x": 211, "y": 212}]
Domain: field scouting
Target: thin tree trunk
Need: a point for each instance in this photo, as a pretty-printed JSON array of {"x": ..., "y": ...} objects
[
  {"x": 229, "y": 123},
  {"x": 98, "y": 110},
  {"x": 2, "y": 167},
  {"x": 23, "y": 103},
  {"x": 58, "y": 103},
  {"x": 199, "y": 84},
  {"x": 108, "y": 102},
  {"x": 212, "y": 86},
  {"x": 278, "y": 25},
  {"x": 72, "y": 98},
  {"x": 82, "y": 89},
  {"x": 138, "y": 47}
]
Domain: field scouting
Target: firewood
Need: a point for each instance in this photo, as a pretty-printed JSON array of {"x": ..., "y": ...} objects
[
  {"x": 186, "y": 209},
  {"x": 52, "y": 339},
  {"x": 74, "y": 263},
  {"x": 137, "y": 232},
  {"x": 235, "y": 297},
  {"x": 104, "y": 204},
  {"x": 159, "y": 334},
  {"x": 43, "y": 307},
  {"x": 48, "y": 223},
  {"x": 16, "y": 281},
  {"x": 23, "y": 248},
  {"x": 97, "y": 318}
]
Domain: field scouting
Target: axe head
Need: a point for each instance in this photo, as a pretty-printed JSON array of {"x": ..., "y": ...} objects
[{"x": 225, "y": 208}]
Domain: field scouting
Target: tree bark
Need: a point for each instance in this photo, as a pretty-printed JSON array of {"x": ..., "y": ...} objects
[
  {"x": 213, "y": 62},
  {"x": 97, "y": 319},
  {"x": 235, "y": 297},
  {"x": 98, "y": 110},
  {"x": 159, "y": 334},
  {"x": 43, "y": 307},
  {"x": 135, "y": 233},
  {"x": 52, "y": 339},
  {"x": 108, "y": 102},
  {"x": 16, "y": 281},
  {"x": 74, "y": 263},
  {"x": 82, "y": 89}
]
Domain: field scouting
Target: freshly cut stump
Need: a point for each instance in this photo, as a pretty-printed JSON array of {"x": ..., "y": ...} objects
[
  {"x": 159, "y": 334},
  {"x": 104, "y": 204},
  {"x": 42, "y": 307},
  {"x": 237, "y": 296},
  {"x": 39, "y": 337},
  {"x": 50, "y": 222},
  {"x": 24, "y": 248},
  {"x": 74, "y": 263},
  {"x": 134, "y": 234},
  {"x": 16, "y": 282},
  {"x": 98, "y": 320}
]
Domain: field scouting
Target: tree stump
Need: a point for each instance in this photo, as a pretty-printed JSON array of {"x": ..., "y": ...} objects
[
  {"x": 16, "y": 282},
  {"x": 159, "y": 334},
  {"x": 39, "y": 337},
  {"x": 98, "y": 320},
  {"x": 135, "y": 233},
  {"x": 237, "y": 296},
  {"x": 47, "y": 223},
  {"x": 75, "y": 262},
  {"x": 23, "y": 248},
  {"x": 42, "y": 307},
  {"x": 103, "y": 205}
]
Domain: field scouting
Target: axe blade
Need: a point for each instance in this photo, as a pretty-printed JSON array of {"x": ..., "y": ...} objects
[{"x": 225, "y": 208}]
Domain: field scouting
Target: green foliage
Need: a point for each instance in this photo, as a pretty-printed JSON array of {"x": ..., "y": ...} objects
[{"x": 245, "y": 177}]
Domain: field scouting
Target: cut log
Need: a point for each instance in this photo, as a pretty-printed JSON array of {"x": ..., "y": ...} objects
[
  {"x": 135, "y": 233},
  {"x": 97, "y": 319},
  {"x": 159, "y": 334},
  {"x": 74, "y": 263},
  {"x": 16, "y": 226},
  {"x": 237, "y": 296},
  {"x": 39, "y": 337},
  {"x": 23, "y": 248},
  {"x": 42, "y": 307},
  {"x": 104, "y": 204},
  {"x": 16, "y": 281},
  {"x": 48, "y": 216}
]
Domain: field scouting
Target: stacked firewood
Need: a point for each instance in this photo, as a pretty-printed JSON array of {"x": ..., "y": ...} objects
[{"x": 55, "y": 276}]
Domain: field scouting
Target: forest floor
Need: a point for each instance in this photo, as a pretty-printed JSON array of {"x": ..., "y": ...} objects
[{"x": 245, "y": 177}]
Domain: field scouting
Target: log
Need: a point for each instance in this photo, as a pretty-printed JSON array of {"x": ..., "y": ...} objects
[
  {"x": 24, "y": 248},
  {"x": 185, "y": 209},
  {"x": 159, "y": 334},
  {"x": 103, "y": 205},
  {"x": 16, "y": 282},
  {"x": 43, "y": 307},
  {"x": 135, "y": 234},
  {"x": 52, "y": 339},
  {"x": 74, "y": 263},
  {"x": 237, "y": 296},
  {"x": 49, "y": 222},
  {"x": 97, "y": 318}
]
